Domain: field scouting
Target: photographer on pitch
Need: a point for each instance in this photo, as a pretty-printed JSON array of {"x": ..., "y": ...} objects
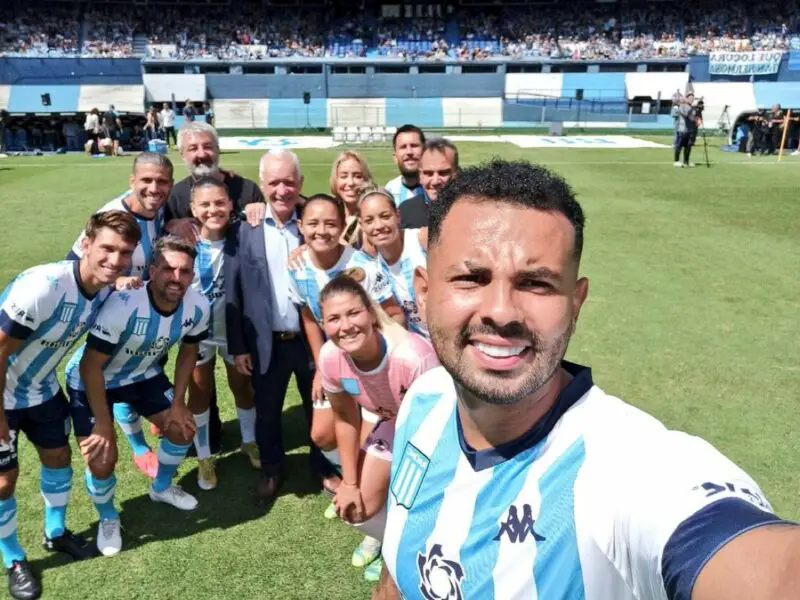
[{"x": 688, "y": 116}]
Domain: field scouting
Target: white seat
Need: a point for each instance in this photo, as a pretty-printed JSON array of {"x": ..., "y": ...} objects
[
  {"x": 351, "y": 134},
  {"x": 338, "y": 134},
  {"x": 389, "y": 132},
  {"x": 364, "y": 134},
  {"x": 378, "y": 134}
]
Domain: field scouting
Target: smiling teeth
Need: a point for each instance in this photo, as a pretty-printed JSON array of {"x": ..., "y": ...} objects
[{"x": 500, "y": 351}]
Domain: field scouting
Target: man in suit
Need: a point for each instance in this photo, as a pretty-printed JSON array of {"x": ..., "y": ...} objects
[{"x": 263, "y": 326}]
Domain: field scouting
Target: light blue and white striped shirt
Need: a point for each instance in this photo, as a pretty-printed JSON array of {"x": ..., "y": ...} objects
[
  {"x": 401, "y": 192},
  {"x": 45, "y": 307},
  {"x": 401, "y": 278},
  {"x": 209, "y": 280}
]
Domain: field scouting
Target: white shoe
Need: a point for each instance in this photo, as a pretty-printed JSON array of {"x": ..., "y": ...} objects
[
  {"x": 796, "y": 153},
  {"x": 678, "y": 165},
  {"x": 690, "y": 165},
  {"x": 109, "y": 537},
  {"x": 175, "y": 496}
]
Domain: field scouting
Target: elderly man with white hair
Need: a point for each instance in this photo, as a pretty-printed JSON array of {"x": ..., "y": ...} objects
[{"x": 263, "y": 326}]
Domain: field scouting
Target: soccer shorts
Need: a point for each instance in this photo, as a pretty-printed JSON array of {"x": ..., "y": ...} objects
[
  {"x": 207, "y": 350},
  {"x": 380, "y": 440},
  {"x": 148, "y": 398},
  {"x": 46, "y": 425}
]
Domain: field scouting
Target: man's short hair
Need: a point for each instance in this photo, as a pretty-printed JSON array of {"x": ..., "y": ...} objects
[
  {"x": 121, "y": 222},
  {"x": 172, "y": 243},
  {"x": 519, "y": 183},
  {"x": 207, "y": 181},
  {"x": 442, "y": 145},
  {"x": 153, "y": 158},
  {"x": 279, "y": 154},
  {"x": 193, "y": 128},
  {"x": 408, "y": 128}
]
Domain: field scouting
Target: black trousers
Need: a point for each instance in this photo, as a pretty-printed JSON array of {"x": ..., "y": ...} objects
[
  {"x": 289, "y": 357},
  {"x": 683, "y": 141}
]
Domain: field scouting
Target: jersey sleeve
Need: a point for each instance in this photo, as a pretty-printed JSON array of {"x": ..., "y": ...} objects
[
  {"x": 202, "y": 318},
  {"x": 107, "y": 328},
  {"x": 377, "y": 283},
  {"x": 295, "y": 296},
  {"x": 329, "y": 367},
  {"x": 425, "y": 361},
  {"x": 29, "y": 302},
  {"x": 684, "y": 503}
]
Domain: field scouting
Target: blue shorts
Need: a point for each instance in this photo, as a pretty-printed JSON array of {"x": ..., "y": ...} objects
[
  {"x": 46, "y": 425},
  {"x": 148, "y": 397}
]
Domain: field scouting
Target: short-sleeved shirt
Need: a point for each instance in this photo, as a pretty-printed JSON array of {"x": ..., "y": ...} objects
[
  {"x": 189, "y": 113},
  {"x": 381, "y": 390},
  {"x": 400, "y": 191},
  {"x": 597, "y": 501},
  {"x": 209, "y": 280},
  {"x": 151, "y": 230},
  {"x": 241, "y": 191},
  {"x": 401, "y": 278},
  {"x": 48, "y": 310},
  {"x": 137, "y": 335},
  {"x": 306, "y": 283}
]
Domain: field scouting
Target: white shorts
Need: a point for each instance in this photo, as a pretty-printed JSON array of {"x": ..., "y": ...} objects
[{"x": 207, "y": 350}]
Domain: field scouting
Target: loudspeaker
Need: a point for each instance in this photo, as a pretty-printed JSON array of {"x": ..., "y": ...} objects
[
  {"x": 579, "y": 94},
  {"x": 306, "y": 97},
  {"x": 45, "y": 99}
]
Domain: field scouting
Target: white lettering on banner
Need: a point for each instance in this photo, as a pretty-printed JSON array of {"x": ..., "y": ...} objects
[{"x": 744, "y": 63}]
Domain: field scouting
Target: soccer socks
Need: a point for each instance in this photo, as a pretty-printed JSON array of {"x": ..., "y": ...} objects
[
  {"x": 101, "y": 493},
  {"x": 9, "y": 543},
  {"x": 170, "y": 456},
  {"x": 131, "y": 425},
  {"x": 201, "y": 442},
  {"x": 374, "y": 527},
  {"x": 247, "y": 424},
  {"x": 55, "y": 485}
]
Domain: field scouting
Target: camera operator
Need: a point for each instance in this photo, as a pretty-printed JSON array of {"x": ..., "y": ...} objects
[
  {"x": 688, "y": 118},
  {"x": 775, "y": 125},
  {"x": 756, "y": 140}
]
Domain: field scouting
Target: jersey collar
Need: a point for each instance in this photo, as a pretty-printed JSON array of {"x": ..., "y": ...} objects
[
  {"x": 155, "y": 306},
  {"x": 485, "y": 459},
  {"x": 76, "y": 271}
]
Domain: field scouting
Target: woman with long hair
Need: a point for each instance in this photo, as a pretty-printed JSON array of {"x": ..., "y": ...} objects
[
  {"x": 368, "y": 363},
  {"x": 400, "y": 251},
  {"x": 350, "y": 175}
]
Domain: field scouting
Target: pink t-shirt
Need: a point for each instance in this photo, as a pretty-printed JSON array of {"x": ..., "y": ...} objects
[{"x": 380, "y": 390}]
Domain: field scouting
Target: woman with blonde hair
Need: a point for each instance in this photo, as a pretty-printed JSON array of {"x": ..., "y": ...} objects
[{"x": 350, "y": 175}]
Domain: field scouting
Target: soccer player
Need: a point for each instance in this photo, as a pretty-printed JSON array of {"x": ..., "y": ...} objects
[
  {"x": 407, "y": 143},
  {"x": 43, "y": 312},
  {"x": 122, "y": 362},
  {"x": 212, "y": 208},
  {"x": 368, "y": 362},
  {"x": 150, "y": 185},
  {"x": 400, "y": 251},
  {"x": 514, "y": 475}
]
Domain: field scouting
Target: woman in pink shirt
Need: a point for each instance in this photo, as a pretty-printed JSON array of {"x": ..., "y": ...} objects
[{"x": 368, "y": 361}]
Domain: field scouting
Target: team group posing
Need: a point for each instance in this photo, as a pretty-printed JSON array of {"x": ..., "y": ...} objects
[{"x": 503, "y": 472}]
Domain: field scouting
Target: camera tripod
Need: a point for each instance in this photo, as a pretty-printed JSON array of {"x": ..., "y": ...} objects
[{"x": 724, "y": 122}]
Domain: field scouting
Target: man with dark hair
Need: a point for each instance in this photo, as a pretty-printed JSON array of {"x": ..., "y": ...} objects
[
  {"x": 687, "y": 120},
  {"x": 514, "y": 474},
  {"x": 122, "y": 361},
  {"x": 437, "y": 167},
  {"x": 112, "y": 127},
  {"x": 407, "y": 143},
  {"x": 43, "y": 312}
]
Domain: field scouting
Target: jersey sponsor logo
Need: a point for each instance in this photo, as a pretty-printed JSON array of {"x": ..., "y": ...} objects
[
  {"x": 140, "y": 326},
  {"x": 410, "y": 474},
  {"x": 157, "y": 348},
  {"x": 712, "y": 488},
  {"x": 73, "y": 336},
  {"x": 67, "y": 311},
  {"x": 439, "y": 577},
  {"x": 170, "y": 394},
  {"x": 188, "y": 323},
  {"x": 124, "y": 297},
  {"x": 351, "y": 386},
  {"x": 101, "y": 330},
  {"x": 516, "y": 529},
  {"x": 20, "y": 313}
]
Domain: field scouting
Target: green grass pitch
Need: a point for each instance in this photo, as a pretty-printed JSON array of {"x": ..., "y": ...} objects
[{"x": 691, "y": 315}]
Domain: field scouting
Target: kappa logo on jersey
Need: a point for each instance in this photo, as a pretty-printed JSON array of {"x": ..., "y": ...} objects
[
  {"x": 124, "y": 297},
  {"x": 516, "y": 529},
  {"x": 188, "y": 323},
  {"x": 439, "y": 578},
  {"x": 53, "y": 281},
  {"x": 410, "y": 474},
  {"x": 140, "y": 326},
  {"x": 67, "y": 311}
]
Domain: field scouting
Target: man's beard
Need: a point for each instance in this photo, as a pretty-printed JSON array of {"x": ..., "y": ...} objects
[
  {"x": 204, "y": 169},
  {"x": 409, "y": 174},
  {"x": 490, "y": 388}
]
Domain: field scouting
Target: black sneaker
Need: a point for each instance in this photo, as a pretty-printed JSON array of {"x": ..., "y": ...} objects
[
  {"x": 71, "y": 544},
  {"x": 22, "y": 583}
]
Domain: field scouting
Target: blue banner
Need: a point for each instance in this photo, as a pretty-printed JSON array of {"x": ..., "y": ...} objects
[{"x": 744, "y": 63}]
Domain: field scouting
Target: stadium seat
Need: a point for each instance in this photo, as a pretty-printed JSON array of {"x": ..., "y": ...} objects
[
  {"x": 378, "y": 134},
  {"x": 364, "y": 134},
  {"x": 338, "y": 134},
  {"x": 351, "y": 134},
  {"x": 389, "y": 132}
]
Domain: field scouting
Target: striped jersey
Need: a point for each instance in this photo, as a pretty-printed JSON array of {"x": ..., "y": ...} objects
[
  {"x": 598, "y": 501},
  {"x": 400, "y": 192},
  {"x": 209, "y": 280},
  {"x": 136, "y": 335},
  {"x": 306, "y": 283},
  {"x": 380, "y": 390},
  {"x": 151, "y": 229},
  {"x": 45, "y": 307},
  {"x": 401, "y": 278}
]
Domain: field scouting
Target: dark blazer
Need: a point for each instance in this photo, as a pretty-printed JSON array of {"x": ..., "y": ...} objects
[{"x": 248, "y": 294}]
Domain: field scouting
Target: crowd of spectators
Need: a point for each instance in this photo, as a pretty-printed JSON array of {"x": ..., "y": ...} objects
[{"x": 565, "y": 31}]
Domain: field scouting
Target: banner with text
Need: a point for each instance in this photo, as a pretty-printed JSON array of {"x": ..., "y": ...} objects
[{"x": 744, "y": 63}]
